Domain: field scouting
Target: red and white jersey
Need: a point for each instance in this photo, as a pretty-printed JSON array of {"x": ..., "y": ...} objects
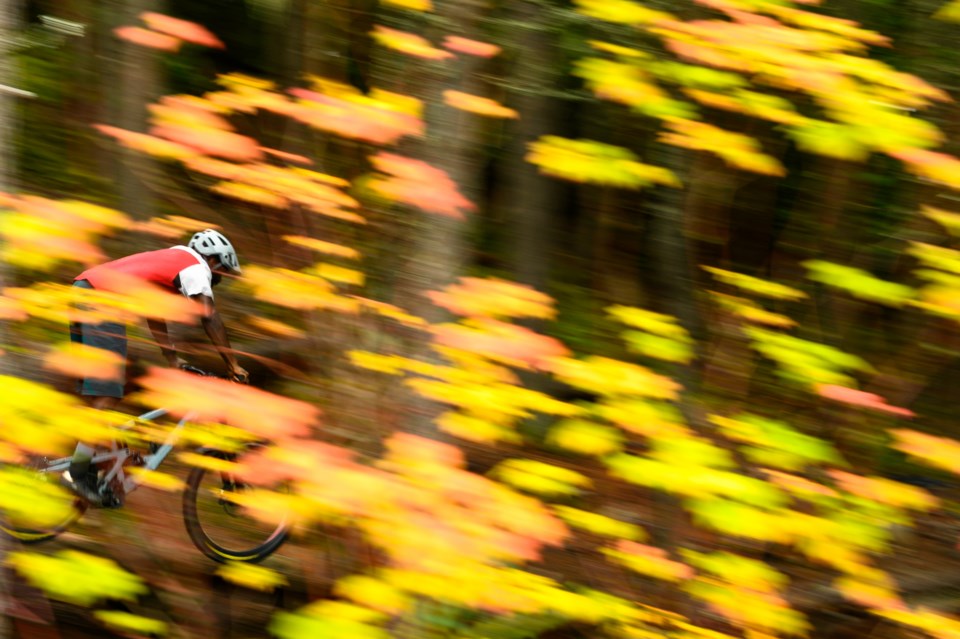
[{"x": 178, "y": 268}]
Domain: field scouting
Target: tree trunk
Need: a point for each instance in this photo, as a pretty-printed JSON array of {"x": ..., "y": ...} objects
[
  {"x": 436, "y": 251},
  {"x": 9, "y": 23},
  {"x": 534, "y": 200},
  {"x": 137, "y": 76}
]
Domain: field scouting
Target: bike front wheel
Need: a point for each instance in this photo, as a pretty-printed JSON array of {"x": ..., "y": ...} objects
[
  {"x": 33, "y": 506},
  {"x": 218, "y": 523}
]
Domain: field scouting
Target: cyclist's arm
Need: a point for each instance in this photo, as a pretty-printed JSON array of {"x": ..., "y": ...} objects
[
  {"x": 217, "y": 332},
  {"x": 162, "y": 337}
]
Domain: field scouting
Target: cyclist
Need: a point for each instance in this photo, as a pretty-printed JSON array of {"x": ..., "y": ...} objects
[{"x": 191, "y": 270}]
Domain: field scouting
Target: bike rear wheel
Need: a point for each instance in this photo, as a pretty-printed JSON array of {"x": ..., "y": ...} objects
[
  {"x": 33, "y": 506},
  {"x": 219, "y": 526}
]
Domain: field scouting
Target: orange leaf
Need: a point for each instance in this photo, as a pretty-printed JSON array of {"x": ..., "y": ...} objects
[
  {"x": 288, "y": 157},
  {"x": 80, "y": 360},
  {"x": 501, "y": 341},
  {"x": 274, "y": 327},
  {"x": 210, "y": 141},
  {"x": 172, "y": 226},
  {"x": 217, "y": 400},
  {"x": 381, "y": 121},
  {"x": 416, "y": 183},
  {"x": 148, "y": 143},
  {"x": 471, "y": 47},
  {"x": 296, "y": 459},
  {"x": 409, "y": 43},
  {"x": 12, "y": 310},
  {"x": 147, "y": 38},
  {"x": 860, "y": 398},
  {"x": 134, "y": 295},
  {"x": 320, "y": 246},
  {"x": 189, "y": 31},
  {"x": 477, "y": 104},
  {"x": 493, "y": 297},
  {"x": 250, "y": 193}
]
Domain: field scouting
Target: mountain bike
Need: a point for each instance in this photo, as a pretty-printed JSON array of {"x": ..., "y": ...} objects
[{"x": 213, "y": 511}]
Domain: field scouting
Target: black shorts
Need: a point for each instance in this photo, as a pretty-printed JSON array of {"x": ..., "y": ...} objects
[{"x": 109, "y": 336}]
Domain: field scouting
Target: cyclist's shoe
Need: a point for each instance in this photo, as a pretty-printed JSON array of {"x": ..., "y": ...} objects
[{"x": 85, "y": 486}]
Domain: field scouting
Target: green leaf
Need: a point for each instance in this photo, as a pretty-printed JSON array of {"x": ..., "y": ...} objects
[
  {"x": 806, "y": 362},
  {"x": 738, "y": 520},
  {"x": 700, "y": 77},
  {"x": 830, "y": 139},
  {"x": 739, "y": 571},
  {"x": 662, "y": 348},
  {"x": 755, "y": 285},
  {"x": 540, "y": 478},
  {"x": 949, "y": 12},
  {"x": 858, "y": 283},
  {"x": 656, "y": 323},
  {"x": 775, "y": 443}
]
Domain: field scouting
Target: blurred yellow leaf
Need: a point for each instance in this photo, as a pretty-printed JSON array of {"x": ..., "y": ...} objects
[
  {"x": 77, "y": 577},
  {"x": 320, "y": 246},
  {"x": 475, "y": 429},
  {"x": 209, "y": 462},
  {"x": 885, "y": 491},
  {"x": 736, "y": 149},
  {"x": 621, "y": 11},
  {"x": 249, "y": 193},
  {"x": 600, "y": 524},
  {"x": 338, "y": 274},
  {"x": 595, "y": 162},
  {"x": 390, "y": 364},
  {"x": 415, "y": 5},
  {"x": 296, "y": 289},
  {"x": 648, "y": 560},
  {"x": 606, "y": 376},
  {"x": 251, "y": 576},
  {"x": 144, "y": 626},
  {"x": 585, "y": 437},
  {"x": 940, "y": 452},
  {"x": 373, "y": 593},
  {"x": 871, "y": 588},
  {"x": 155, "y": 479}
]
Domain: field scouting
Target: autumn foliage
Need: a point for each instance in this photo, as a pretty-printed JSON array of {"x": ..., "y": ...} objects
[{"x": 574, "y": 473}]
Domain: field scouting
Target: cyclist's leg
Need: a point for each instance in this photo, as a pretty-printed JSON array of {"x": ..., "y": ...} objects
[{"x": 99, "y": 393}]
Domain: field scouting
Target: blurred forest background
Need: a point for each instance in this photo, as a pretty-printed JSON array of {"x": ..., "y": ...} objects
[{"x": 763, "y": 450}]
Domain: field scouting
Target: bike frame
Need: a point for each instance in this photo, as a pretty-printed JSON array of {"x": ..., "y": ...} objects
[{"x": 120, "y": 455}]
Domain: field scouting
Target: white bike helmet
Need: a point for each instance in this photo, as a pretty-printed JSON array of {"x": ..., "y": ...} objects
[{"x": 210, "y": 242}]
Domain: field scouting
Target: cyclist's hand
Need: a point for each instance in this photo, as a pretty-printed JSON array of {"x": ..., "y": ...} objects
[
  {"x": 239, "y": 374},
  {"x": 180, "y": 363}
]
